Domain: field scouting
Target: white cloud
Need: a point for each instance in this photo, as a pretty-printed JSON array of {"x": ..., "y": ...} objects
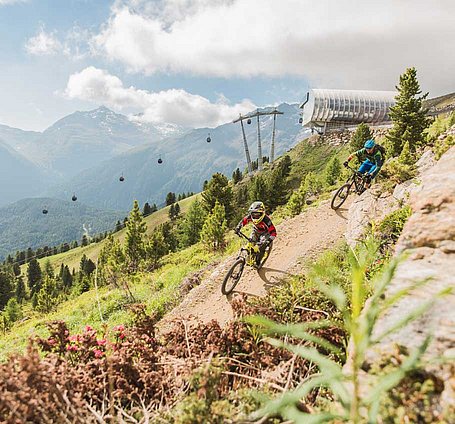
[
  {"x": 6, "y": 2},
  {"x": 75, "y": 44},
  {"x": 343, "y": 43},
  {"x": 169, "y": 106},
  {"x": 43, "y": 43}
]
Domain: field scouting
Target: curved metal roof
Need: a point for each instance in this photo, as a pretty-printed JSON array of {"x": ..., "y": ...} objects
[{"x": 347, "y": 106}]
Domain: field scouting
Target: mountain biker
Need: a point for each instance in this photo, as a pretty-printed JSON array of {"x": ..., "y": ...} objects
[
  {"x": 373, "y": 156},
  {"x": 263, "y": 231}
]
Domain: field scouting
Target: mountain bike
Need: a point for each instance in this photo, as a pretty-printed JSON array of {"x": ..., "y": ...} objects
[
  {"x": 250, "y": 255},
  {"x": 357, "y": 180}
]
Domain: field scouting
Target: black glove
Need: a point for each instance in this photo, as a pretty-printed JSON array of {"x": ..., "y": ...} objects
[
  {"x": 346, "y": 164},
  {"x": 238, "y": 228}
]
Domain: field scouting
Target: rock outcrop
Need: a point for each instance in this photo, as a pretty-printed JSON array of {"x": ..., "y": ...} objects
[{"x": 429, "y": 239}]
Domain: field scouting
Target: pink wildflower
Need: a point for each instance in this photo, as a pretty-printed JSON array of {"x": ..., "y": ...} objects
[
  {"x": 88, "y": 328},
  {"x": 98, "y": 353},
  {"x": 120, "y": 327},
  {"x": 121, "y": 336},
  {"x": 52, "y": 342},
  {"x": 101, "y": 342}
]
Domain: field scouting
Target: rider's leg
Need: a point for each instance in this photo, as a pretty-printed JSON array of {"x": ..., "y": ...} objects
[{"x": 365, "y": 166}]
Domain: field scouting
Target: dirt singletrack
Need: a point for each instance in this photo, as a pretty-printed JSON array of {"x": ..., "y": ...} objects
[{"x": 298, "y": 239}]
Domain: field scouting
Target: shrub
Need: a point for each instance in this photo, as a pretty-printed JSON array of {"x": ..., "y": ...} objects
[{"x": 441, "y": 146}]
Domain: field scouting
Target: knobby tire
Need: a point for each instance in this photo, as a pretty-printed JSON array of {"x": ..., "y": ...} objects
[
  {"x": 338, "y": 195},
  {"x": 230, "y": 282}
]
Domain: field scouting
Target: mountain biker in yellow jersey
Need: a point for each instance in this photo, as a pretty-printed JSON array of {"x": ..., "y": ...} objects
[
  {"x": 373, "y": 156},
  {"x": 263, "y": 231}
]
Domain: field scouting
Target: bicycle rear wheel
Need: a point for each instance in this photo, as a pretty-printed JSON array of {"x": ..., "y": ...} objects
[
  {"x": 233, "y": 276},
  {"x": 266, "y": 255},
  {"x": 340, "y": 196}
]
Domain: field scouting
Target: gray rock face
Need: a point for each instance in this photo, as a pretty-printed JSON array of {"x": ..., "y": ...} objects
[
  {"x": 370, "y": 206},
  {"x": 429, "y": 239}
]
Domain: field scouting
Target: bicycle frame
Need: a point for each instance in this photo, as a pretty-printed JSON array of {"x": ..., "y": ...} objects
[
  {"x": 251, "y": 249},
  {"x": 354, "y": 179}
]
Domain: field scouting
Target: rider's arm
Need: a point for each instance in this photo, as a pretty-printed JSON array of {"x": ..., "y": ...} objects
[
  {"x": 270, "y": 227},
  {"x": 358, "y": 153},
  {"x": 243, "y": 222}
]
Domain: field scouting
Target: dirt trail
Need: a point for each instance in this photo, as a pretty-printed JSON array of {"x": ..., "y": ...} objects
[{"x": 300, "y": 238}]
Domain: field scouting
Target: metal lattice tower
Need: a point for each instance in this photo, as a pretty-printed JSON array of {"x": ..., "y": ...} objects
[
  {"x": 257, "y": 114},
  {"x": 272, "y": 146},
  {"x": 259, "y": 145}
]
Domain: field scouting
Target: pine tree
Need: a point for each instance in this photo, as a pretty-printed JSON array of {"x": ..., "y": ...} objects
[
  {"x": 406, "y": 158},
  {"x": 170, "y": 198},
  {"x": 236, "y": 176},
  {"x": 118, "y": 226},
  {"x": 46, "y": 298},
  {"x": 171, "y": 212},
  {"x": 6, "y": 287},
  {"x": 86, "y": 266},
  {"x": 16, "y": 269},
  {"x": 176, "y": 210},
  {"x": 66, "y": 277},
  {"x": 408, "y": 115},
  {"x": 147, "y": 209},
  {"x": 34, "y": 276},
  {"x": 13, "y": 311},
  {"x": 48, "y": 270},
  {"x": 214, "y": 228},
  {"x": 332, "y": 171},
  {"x": 276, "y": 189},
  {"x": 156, "y": 248},
  {"x": 192, "y": 224},
  {"x": 134, "y": 240},
  {"x": 154, "y": 208},
  {"x": 169, "y": 237},
  {"x": 257, "y": 189},
  {"x": 84, "y": 241},
  {"x": 29, "y": 254},
  {"x": 20, "y": 292},
  {"x": 218, "y": 190},
  {"x": 361, "y": 134}
]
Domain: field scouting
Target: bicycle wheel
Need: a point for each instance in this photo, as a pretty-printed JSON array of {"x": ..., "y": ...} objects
[
  {"x": 340, "y": 196},
  {"x": 233, "y": 276},
  {"x": 266, "y": 255}
]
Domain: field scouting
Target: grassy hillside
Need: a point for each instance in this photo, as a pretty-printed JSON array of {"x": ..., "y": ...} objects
[
  {"x": 73, "y": 257},
  {"x": 441, "y": 101}
]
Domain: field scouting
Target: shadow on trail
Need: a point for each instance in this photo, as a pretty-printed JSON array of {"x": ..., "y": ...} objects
[
  {"x": 340, "y": 213},
  {"x": 276, "y": 280}
]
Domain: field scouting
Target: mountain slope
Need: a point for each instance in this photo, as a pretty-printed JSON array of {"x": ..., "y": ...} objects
[
  {"x": 20, "y": 178},
  {"x": 187, "y": 161},
  {"x": 23, "y": 225}
]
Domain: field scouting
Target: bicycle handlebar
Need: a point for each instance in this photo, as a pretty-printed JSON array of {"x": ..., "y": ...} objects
[
  {"x": 240, "y": 234},
  {"x": 355, "y": 171}
]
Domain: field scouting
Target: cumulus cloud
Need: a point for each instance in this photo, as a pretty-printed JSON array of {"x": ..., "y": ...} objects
[
  {"x": 346, "y": 44},
  {"x": 43, "y": 43},
  {"x": 75, "y": 43},
  {"x": 169, "y": 106}
]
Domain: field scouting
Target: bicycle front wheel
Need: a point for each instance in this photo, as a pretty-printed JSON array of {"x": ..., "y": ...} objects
[
  {"x": 340, "y": 196},
  {"x": 233, "y": 276}
]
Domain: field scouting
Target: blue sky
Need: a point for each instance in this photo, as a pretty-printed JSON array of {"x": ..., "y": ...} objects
[{"x": 201, "y": 62}]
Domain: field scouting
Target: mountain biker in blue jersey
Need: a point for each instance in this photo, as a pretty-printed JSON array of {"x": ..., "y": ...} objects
[
  {"x": 263, "y": 232},
  {"x": 373, "y": 156}
]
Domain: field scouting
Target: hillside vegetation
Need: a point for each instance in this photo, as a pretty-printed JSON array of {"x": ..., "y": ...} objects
[{"x": 100, "y": 352}]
